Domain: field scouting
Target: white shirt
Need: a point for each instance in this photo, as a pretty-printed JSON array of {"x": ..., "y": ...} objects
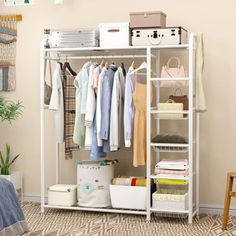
[
  {"x": 98, "y": 108},
  {"x": 57, "y": 103},
  {"x": 117, "y": 106},
  {"x": 90, "y": 110}
]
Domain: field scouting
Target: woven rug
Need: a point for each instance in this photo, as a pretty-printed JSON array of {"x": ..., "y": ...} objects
[{"x": 75, "y": 223}]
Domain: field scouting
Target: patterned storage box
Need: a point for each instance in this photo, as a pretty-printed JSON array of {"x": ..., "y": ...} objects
[
  {"x": 170, "y": 199},
  {"x": 93, "y": 179}
]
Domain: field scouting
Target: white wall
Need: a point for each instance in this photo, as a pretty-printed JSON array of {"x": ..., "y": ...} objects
[{"x": 216, "y": 19}]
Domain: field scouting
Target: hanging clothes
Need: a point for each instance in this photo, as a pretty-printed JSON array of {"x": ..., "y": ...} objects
[
  {"x": 95, "y": 79},
  {"x": 117, "y": 108},
  {"x": 99, "y": 106},
  {"x": 200, "y": 97},
  {"x": 129, "y": 107},
  {"x": 140, "y": 139},
  {"x": 69, "y": 116},
  {"x": 90, "y": 110},
  {"x": 57, "y": 103},
  {"x": 80, "y": 83},
  {"x": 107, "y": 86},
  {"x": 96, "y": 151}
]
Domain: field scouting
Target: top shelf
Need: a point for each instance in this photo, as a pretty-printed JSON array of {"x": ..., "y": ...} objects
[{"x": 84, "y": 49}]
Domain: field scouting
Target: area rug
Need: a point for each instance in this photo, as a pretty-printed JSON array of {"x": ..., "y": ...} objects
[{"x": 76, "y": 223}]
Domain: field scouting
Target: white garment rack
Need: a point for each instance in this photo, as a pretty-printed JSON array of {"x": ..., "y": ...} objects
[
  {"x": 65, "y": 58},
  {"x": 129, "y": 52}
]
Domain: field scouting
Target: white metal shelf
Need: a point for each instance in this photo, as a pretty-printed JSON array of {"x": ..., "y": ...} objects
[
  {"x": 170, "y": 79},
  {"x": 97, "y": 49},
  {"x": 97, "y": 209},
  {"x": 173, "y": 119},
  {"x": 170, "y": 177},
  {"x": 169, "y": 145},
  {"x": 170, "y": 211},
  {"x": 172, "y": 150},
  {"x": 154, "y": 110}
]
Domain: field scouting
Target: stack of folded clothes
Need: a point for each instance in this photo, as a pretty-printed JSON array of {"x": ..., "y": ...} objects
[
  {"x": 172, "y": 171},
  {"x": 129, "y": 181}
]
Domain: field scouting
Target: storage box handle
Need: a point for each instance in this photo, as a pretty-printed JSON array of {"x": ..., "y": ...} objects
[
  {"x": 113, "y": 30},
  {"x": 155, "y": 42}
]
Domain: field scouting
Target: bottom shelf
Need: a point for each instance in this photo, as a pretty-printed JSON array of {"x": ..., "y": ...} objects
[
  {"x": 170, "y": 211},
  {"x": 116, "y": 210},
  {"x": 97, "y": 209}
]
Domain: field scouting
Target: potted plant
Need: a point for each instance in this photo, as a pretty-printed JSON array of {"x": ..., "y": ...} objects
[{"x": 9, "y": 111}]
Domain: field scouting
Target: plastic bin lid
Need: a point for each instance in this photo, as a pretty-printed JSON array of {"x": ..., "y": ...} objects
[
  {"x": 63, "y": 187},
  {"x": 147, "y": 13},
  {"x": 97, "y": 163}
]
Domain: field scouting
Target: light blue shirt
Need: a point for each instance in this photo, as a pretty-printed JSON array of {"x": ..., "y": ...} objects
[
  {"x": 129, "y": 107},
  {"x": 107, "y": 86}
]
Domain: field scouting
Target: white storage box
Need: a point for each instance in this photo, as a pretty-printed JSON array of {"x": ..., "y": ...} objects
[
  {"x": 170, "y": 106},
  {"x": 62, "y": 195},
  {"x": 170, "y": 199},
  {"x": 93, "y": 180},
  {"x": 114, "y": 35},
  {"x": 128, "y": 197}
]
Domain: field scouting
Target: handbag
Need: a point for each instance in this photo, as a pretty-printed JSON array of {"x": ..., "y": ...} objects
[
  {"x": 180, "y": 98},
  {"x": 170, "y": 105},
  {"x": 47, "y": 87},
  {"x": 173, "y": 72}
]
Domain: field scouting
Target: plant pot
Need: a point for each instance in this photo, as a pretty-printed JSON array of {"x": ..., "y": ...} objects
[{"x": 15, "y": 178}]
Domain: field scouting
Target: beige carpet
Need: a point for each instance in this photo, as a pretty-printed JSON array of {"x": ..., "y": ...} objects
[{"x": 76, "y": 223}]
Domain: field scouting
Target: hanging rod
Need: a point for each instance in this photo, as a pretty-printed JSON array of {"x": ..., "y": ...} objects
[
  {"x": 11, "y": 18},
  {"x": 94, "y": 57}
]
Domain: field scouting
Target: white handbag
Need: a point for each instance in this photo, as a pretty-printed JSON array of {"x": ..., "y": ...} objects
[
  {"x": 170, "y": 105},
  {"x": 173, "y": 72}
]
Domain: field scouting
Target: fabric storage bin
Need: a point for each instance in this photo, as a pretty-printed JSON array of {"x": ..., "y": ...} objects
[
  {"x": 114, "y": 35},
  {"x": 169, "y": 106},
  {"x": 170, "y": 199},
  {"x": 62, "y": 195},
  {"x": 93, "y": 179},
  {"x": 147, "y": 19},
  {"x": 128, "y": 197}
]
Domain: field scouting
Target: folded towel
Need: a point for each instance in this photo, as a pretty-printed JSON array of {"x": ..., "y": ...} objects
[
  {"x": 129, "y": 181},
  {"x": 169, "y": 138},
  {"x": 170, "y": 172},
  {"x": 172, "y": 181}
]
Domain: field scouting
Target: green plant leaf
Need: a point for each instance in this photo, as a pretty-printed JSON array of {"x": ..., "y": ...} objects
[
  {"x": 14, "y": 159},
  {"x": 9, "y": 110},
  {"x": 1, "y": 159},
  {"x": 8, "y": 148}
]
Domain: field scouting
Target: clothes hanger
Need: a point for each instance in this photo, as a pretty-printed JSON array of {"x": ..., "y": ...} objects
[
  {"x": 67, "y": 66},
  {"x": 133, "y": 65},
  {"x": 58, "y": 61},
  {"x": 141, "y": 67},
  {"x": 102, "y": 63},
  {"x": 123, "y": 68},
  {"x": 106, "y": 65}
]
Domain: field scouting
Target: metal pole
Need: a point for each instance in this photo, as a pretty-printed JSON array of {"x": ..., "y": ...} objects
[
  {"x": 148, "y": 166},
  {"x": 42, "y": 124}
]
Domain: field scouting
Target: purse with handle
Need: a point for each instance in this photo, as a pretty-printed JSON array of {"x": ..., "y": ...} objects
[
  {"x": 180, "y": 99},
  {"x": 47, "y": 87},
  {"x": 170, "y": 105},
  {"x": 173, "y": 72}
]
